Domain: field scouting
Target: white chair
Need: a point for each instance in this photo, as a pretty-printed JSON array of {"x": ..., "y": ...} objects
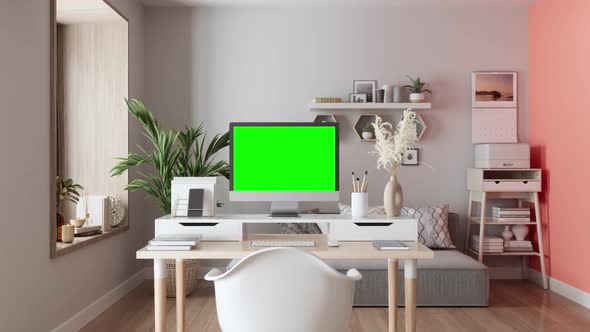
[{"x": 283, "y": 289}]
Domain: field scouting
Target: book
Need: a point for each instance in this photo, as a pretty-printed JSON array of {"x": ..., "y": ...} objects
[
  {"x": 518, "y": 249},
  {"x": 86, "y": 229},
  {"x": 517, "y": 210},
  {"x": 175, "y": 240},
  {"x": 511, "y": 219},
  {"x": 169, "y": 248},
  {"x": 390, "y": 245},
  {"x": 487, "y": 239}
]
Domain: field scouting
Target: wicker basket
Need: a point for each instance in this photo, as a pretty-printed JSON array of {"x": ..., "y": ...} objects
[{"x": 191, "y": 276}]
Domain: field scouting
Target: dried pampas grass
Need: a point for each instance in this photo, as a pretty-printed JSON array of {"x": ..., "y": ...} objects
[{"x": 389, "y": 145}]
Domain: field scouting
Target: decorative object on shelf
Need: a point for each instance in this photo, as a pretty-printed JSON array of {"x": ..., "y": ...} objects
[
  {"x": 174, "y": 154},
  {"x": 494, "y": 89},
  {"x": 65, "y": 190},
  {"x": 67, "y": 233},
  {"x": 379, "y": 95},
  {"x": 367, "y": 87},
  {"x": 411, "y": 157},
  {"x": 417, "y": 90},
  {"x": 117, "y": 211},
  {"x": 97, "y": 211},
  {"x": 320, "y": 100},
  {"x": 397, "y": 94},
  {"x": 520, "y": 231},
  {"x": 367, "y": 132},
  {"x": 419, "y": 127},
  {"x": 357, "y": 98},
  {"x": 361, "y": 124},
  {"x": 517, "y": 155},
  {"x": 387, "y": 93},
  {"x": 78, "y": 222},
  {"x": 389, "y": 148},
  {"x": 507, "y": 233},
  {"x": 326, "y": 118}
]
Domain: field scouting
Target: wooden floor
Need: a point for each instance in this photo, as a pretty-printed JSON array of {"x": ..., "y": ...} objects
[{"x": 514, "y": 306}]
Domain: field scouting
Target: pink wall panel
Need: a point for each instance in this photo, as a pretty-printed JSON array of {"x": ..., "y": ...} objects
[{"x": 559, "y": 125}]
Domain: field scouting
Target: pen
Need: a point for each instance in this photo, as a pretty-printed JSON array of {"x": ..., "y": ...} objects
[
  {"x": 353, "y": 183},
  {"x": 364, "y": 183}
]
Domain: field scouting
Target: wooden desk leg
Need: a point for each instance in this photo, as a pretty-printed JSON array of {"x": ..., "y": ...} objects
[
  {"x": 392, "y": 279},
  {"x": 410, "y": 276},
  {"x": 160, "y": 294},
  {"x": 180, "y": 291}
]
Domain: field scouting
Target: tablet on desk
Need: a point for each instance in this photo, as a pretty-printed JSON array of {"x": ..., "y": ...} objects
[{"x": 390, "y": 245}]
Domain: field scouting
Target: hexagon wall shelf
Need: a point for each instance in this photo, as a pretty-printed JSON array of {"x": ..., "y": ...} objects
[
  {"x": 325, "y": 118},
  {"x": 362, "y": 121},
  {"x": 420, "y": 128}
]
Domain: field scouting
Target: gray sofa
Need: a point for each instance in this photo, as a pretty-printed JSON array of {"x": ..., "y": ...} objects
[{"x": 450, "y": 279}]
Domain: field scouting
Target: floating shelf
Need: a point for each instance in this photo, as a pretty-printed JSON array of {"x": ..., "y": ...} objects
[
  {"x": 490, "y": 221},
  {"x": 368, "y": 106}
]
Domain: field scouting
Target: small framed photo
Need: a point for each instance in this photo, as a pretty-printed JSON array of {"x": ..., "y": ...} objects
[
  {"x": 494, "y": 89},
  {"x": 358, "y": 97},
  {"x": 411, "y": 157},
  {"x": 365, "y": 86}
]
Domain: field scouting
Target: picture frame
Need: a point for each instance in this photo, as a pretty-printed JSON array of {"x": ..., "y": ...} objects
[
  {"x": 494, "y": 89},
  {"x": 358, "y": 98},
  {"x": 411, "y": 157},
  {"x": 367, "y": 87}
]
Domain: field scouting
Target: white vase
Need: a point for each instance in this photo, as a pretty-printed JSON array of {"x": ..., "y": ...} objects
[
  {"x": 367, "y": 135},
  {"x": 520, "y": 231},
  {"x": 388, "y": 97},
  {"x": 393, "y": 196},
  {"x": 507, "y": 233},
  {"x": 417, "y": 97}
]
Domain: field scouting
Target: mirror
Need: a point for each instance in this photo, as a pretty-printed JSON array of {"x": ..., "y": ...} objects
[{"x": 89, "y": 121}]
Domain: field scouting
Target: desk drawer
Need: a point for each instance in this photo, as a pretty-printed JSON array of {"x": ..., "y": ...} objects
[
  {"x": 406, "y": 230},
  {"x": 224, "y": 231},
  {"x": 501, "y": 185}
]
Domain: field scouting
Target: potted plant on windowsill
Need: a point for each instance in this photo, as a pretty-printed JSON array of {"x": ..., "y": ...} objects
[
  {"x": 417, "y": 90},
  {"x": 173, "y": 153},
  {"x": 65, "y": 190}
]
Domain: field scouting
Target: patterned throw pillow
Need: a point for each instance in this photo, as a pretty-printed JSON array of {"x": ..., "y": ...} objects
[{"x": 433, "y": 225}]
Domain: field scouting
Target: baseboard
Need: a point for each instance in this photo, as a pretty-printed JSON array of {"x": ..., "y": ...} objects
[
  {"x": 86, "y": 315},
  {"x": 559, "y": 287}
]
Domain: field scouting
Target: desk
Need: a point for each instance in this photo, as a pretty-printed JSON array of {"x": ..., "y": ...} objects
[{"x": 236, "y": 249}]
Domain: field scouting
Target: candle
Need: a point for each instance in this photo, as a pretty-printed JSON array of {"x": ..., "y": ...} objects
[{"x": 67, "y": 233}]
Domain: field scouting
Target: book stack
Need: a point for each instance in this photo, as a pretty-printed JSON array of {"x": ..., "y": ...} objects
[
  {"x": 87, "y": 230},
  {"x": 173, "y": 242},
  {"x": 515, "y": 245},
  {"x": 490, "y": 244},
  {"x": 515, "y": 215}
]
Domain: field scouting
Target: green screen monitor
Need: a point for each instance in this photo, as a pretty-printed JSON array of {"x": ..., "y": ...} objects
[{"x": 284, "y": 163}]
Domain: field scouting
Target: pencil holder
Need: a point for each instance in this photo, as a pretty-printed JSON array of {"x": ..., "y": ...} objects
[{"x": 359, "y": 205}]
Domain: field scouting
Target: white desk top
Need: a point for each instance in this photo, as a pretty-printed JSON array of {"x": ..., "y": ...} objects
[{"x": 304, "y": 218}]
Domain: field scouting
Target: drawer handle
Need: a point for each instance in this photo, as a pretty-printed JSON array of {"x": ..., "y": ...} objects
[
  {"x": 497, "y": 182},
  {"x": 525, "y": 182},
  {"x": 201, "y": 224},
  {"x": 378, "y": 224}
]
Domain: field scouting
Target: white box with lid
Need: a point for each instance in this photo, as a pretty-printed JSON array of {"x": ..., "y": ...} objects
[{"x": 505, "y": 155}]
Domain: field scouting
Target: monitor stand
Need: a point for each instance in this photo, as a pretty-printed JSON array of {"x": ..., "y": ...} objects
[{"x": 284, "y": 209}]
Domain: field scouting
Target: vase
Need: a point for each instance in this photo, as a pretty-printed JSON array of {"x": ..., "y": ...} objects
[
  {"x": 417, "y": 97},
  {"x": 397, "y": 94},
  {"x": 507, "y": 234},
  {"x": 520, "y": 231},
  {"x": 393, "y": 196}
]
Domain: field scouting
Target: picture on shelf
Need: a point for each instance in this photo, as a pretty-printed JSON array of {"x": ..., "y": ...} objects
[
  {"x": 358, "y": 98},
  {"x": 494, "y": 89},
  {"x": 367, "y": 87},
  {"x": 411, "y": 157}
]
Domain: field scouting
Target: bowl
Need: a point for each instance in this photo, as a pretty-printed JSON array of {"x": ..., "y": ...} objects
[{"x": 77, "y": 222}]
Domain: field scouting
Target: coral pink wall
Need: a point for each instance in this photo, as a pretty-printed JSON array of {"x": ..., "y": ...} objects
[{"x": 559, "y": 125}]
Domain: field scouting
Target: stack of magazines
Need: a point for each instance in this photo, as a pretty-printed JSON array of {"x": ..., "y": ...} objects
[
  {"x": 174, "y": 242},
  {"x": 516, "y": 215},
  {"x": 490, "y": 244},
  {"x": 515, "y": 245}
]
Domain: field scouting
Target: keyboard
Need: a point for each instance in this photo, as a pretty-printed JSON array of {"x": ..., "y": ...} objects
[{"x": 282, "y": 243}]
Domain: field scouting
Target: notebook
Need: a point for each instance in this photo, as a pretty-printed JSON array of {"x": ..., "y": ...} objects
[
  {"x": 175, "y": 240},
  {"x": 390, "y": 245}
]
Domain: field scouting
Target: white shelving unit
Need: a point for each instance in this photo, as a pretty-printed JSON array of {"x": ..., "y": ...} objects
[
  {"x": 523, "y": 185},
  {"x": 368, "y": 106}
]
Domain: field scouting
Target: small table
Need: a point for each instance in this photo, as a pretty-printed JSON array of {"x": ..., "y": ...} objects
[{"x": 238, "y": 250}]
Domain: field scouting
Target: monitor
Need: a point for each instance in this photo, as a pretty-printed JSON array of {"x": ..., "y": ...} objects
[{"x": 284, "y": 163}]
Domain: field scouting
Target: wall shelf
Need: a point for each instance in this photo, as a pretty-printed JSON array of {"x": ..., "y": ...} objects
[
  {"x": 368, "y": 106},
  {"x": 505, "y": 253},
  {"x": 490, "y": 221}
]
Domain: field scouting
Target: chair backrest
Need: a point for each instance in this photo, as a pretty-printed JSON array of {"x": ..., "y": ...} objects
[{"x": 283, "y": 289}]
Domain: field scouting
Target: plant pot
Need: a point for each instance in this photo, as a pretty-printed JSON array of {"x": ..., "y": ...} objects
[
  {"x": 520, "y": 231},
  {"x": 417, "y": 97},
  {"x": 367, "y": 135},
  {"x": 393, "y": 196}
]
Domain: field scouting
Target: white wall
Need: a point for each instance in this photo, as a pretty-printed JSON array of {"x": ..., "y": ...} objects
[
  {"x": 39, "y": 293},
  {"x": 224, "y": 64}
]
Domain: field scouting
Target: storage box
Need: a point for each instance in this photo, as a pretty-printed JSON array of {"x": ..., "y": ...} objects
[{"x": 507, "y": 155}]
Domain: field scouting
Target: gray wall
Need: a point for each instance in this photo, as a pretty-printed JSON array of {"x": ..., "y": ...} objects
[
  {"x": 224, "y": 64},
  {"x": 39, "y": 293}
]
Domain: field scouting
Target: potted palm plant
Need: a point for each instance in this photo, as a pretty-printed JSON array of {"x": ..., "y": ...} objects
[
  {"x": 65, "y": 190},
  {"x": 173, "y": 153},
  {"x": 417, "y": 90}
]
